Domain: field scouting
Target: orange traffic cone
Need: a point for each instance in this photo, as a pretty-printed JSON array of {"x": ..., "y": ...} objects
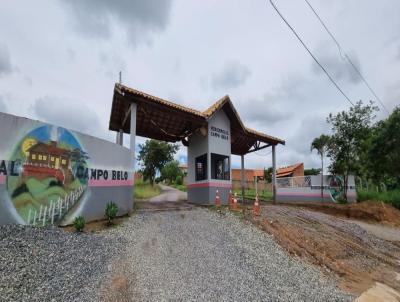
[
  {"x": 217, "y": 200},
  {"x": 256, "y": 208},
  {"x": 235, "y": 202}
]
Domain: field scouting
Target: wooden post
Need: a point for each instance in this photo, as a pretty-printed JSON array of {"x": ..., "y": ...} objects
[{"x": 273, "y": 174}]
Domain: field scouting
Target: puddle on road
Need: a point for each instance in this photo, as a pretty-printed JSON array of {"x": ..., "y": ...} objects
[{"x": 379, "y": 293}]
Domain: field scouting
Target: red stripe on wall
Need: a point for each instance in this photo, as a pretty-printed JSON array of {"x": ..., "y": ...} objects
[
  {"x": 110, "y": 183},
  {"x": 2, "y": 179},
  {"x": 209, "y": 184}
]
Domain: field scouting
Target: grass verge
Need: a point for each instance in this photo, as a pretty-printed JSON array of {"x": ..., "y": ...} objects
[
  {"x": 182, "y": 188},
  {"x": 251, "y": 194},
  {"x": 144, "y": 190},
  {"x": 391, "y": 197}
]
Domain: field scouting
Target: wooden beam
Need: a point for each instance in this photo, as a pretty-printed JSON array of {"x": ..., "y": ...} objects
[
  {"x": 127, "y": 115},
  {"x": 259, "y": 148}
]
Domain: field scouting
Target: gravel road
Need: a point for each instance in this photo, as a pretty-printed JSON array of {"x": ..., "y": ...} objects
[
  {"x": 195, "y": 255},
  {"x": 50, "y": 264},
  {"x": 199, "y": 255}
]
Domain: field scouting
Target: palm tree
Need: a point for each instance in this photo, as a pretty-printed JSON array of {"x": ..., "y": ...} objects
[{"x": 320, "y": 144}]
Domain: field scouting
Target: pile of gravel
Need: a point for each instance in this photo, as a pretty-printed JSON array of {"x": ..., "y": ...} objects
[
  {"x": 199, "y": 255},
  {"x": 50, "y": 264}
]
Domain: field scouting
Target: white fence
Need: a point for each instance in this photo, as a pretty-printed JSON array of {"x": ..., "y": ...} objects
[
  {"x": 293, "y": 182},
  {"x": 56, "y": 210}
]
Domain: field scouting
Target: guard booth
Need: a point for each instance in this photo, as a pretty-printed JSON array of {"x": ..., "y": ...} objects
[{"x": 211, "y": 137}]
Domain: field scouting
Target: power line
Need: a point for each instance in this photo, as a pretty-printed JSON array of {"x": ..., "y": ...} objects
[
  {"x": 340, "y": 48},
  {"x": 311, "y": 54}
]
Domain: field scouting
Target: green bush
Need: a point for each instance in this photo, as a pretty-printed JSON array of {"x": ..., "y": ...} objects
[
  {"x": 111, "y": 211},
  {"x": 179, "y": 180},
  {"x": 79, "y": 223}
]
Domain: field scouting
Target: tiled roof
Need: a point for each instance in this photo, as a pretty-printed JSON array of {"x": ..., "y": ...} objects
[
  {"x": 123, "y": 88},
  {"x": 246, "y": 137},
  {"x": 287, "y": 170}
]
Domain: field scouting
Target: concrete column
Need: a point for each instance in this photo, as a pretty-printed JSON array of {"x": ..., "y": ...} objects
[
  {"x": 121, "y": 137},
  {"x": 242, "y": 176},
  {"x": 117, "y": 138},
  {"x": 133, "y": 132},
  {"x": 273, "y": 173}
]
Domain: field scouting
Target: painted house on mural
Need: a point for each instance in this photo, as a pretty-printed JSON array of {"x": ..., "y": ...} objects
[
  {"x": 291, "y": 171},
  {"x": 49, "y": 155}
]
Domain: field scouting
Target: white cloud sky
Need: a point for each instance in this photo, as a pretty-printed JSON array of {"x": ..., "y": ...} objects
[{"x": 59, "y": 61}]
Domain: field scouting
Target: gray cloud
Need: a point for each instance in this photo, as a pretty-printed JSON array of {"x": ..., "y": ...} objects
[
  {"x": 95, "y": 18},
  {"x": 67, "y": 113},
  {"x": 232, "y": 75},
  {"x": 5, "y": 60},
  {"x": 3, "y": 106},
  {"x": 339, "y": 68},
  {"x": 263, "y": 110}
]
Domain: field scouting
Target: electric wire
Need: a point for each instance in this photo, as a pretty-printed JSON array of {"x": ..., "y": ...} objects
[
  {"x": 341, "y": 51},
  {"x": 311, "y": 54}
]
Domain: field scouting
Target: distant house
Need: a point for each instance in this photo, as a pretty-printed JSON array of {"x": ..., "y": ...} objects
[
  {"x": 49, "y": 155},
  {"x": 183, "y": 168},
  {"x": 291, "y": 171},
  {"x": 250, "y": 174}
]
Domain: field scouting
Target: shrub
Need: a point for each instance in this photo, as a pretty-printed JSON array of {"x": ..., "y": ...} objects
[
  {"x": 111, "y": 211},
  {"x": 179, "y": 180},
  {"x": 79, "y": 223}
]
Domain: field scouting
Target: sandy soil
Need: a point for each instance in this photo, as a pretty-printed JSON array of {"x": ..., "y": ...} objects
[{"x": 356, "y": 255}]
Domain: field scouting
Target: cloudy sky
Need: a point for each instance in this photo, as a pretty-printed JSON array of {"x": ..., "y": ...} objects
[{"x": 59, "y": 61}]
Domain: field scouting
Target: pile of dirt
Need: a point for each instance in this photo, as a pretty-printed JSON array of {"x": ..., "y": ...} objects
[
  {"x": 357, "y": 257},
  {"x": 369, "y": 211}
]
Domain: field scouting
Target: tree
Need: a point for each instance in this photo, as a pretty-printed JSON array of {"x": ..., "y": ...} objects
[
  {"x": 153, "y": 155},
  {"x": 268, "y": 175},
  {"x": 320, "y": 144},
  {"x": 311, "y": 171},
  {"x": 171, "y": 171},
  {"x": 348, "y": 146},
  {"x": 384, "y": 151}
]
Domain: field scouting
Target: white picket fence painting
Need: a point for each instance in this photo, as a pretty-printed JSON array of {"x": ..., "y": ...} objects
[{"x": 56, "y": 210}]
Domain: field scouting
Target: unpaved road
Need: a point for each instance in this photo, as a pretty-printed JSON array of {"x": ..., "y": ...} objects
[
  {"x": 169, "y": 194},
  {"x": 353, "y": 252},
  {"x": 199, "y": 255}
]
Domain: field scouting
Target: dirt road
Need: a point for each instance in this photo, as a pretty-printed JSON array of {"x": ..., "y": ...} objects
[
  {"x": 169, "y": 194},
  {"x": 354, "y": 253}
]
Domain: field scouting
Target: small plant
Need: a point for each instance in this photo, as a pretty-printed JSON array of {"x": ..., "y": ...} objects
[
  {"x": 111, "y": 211},
  {"x": 79, "y": 223}
]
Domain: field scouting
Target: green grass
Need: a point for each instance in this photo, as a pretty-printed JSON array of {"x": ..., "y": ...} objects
[
  {"x": 251, "y": 194},
  {"x": 179, "y": 187},
  {"x": 391, "y": 197},
  {"x": 143, "y": 190}
]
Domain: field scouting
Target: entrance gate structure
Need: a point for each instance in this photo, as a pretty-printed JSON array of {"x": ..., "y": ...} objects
[{"x": 211, "y": 137}]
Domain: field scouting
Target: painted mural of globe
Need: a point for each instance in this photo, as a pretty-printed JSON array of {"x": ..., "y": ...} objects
[{"x": 44, "y": 184}]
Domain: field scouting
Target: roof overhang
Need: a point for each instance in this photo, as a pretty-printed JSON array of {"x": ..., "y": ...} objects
[{"x": 164, "y": 120}]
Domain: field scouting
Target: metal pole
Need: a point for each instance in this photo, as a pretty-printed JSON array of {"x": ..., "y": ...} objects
[
  {"x": 255, "y": 183},
  {"x": 242, "y": 176},
  {"x": 273, "y": 174}
]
